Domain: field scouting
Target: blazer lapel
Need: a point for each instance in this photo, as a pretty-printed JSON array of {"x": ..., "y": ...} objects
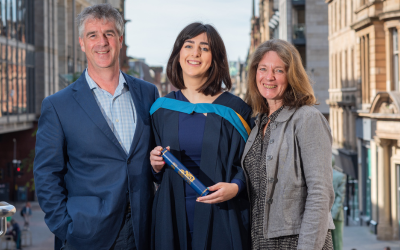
[
  {"x": 249, "y": 142},
  {"x": 84, "y": 96}
]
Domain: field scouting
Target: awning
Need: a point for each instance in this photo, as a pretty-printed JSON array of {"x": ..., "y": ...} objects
[{"x": 347, "y": 161}]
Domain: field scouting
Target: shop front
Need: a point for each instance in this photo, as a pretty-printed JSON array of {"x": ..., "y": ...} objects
[{"x": 380, "y": 162}]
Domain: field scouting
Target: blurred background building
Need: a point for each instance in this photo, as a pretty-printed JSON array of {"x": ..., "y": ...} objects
[
  {"x": 364, "y": 103},
  {"x": 287, "y": 20},
  {"x": 138, "y": 68}
]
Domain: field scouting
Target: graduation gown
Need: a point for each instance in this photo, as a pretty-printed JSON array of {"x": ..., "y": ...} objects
[{"x": 216, "y": 226}]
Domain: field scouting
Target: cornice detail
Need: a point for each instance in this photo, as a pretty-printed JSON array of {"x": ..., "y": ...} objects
[
  {"x": 389, "y": 15},
  {"x": 367, "y": 5},
  {"x": 381, "y": 142},
  {"x": 363, "y": 23}
]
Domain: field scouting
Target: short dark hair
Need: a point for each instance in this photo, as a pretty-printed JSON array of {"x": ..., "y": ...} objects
[{"x": 219, "y": 69}]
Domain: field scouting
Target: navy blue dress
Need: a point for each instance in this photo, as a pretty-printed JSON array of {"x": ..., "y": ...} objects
[
  {"x": 191, "y": 130},
  {"x": 211, "y": 148}
]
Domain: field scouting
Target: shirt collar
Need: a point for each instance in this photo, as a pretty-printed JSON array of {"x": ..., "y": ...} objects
[{"x": 93, "y": 85}]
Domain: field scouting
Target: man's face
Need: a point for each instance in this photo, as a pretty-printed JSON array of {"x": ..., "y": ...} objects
[{"x": 101, "y": 43}]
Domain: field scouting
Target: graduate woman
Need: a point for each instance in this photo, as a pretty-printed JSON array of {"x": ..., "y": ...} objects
[{"x": 208, "y": 142}]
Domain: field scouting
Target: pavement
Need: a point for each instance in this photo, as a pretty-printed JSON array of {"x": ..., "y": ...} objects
[
  {"x": 360, "y": 238},
  {"x": 42, "y": 238},
  {"x": 354, "y": 237}
]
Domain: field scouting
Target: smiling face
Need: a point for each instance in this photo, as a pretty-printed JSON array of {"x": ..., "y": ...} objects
[
  {"x": 101, "y": 43},
  {"x": 195, "y": 57},
  {"x": 271, "y": 77}
]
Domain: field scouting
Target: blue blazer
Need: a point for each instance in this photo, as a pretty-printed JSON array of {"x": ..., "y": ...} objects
[{"x": 82, "y": 173}]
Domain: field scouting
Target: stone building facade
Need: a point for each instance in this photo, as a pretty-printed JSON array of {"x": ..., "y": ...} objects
[
  {"x": 260, "y": 31},
  {"x": 39, "y": 54},
  {"x": 364, "y": 103},
  {"x": 304, "y": 23}
]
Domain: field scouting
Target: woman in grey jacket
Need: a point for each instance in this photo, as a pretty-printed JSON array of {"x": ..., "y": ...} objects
[{"x": 287, "y": 158}]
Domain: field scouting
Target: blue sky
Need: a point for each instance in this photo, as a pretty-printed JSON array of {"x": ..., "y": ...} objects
[{"x": 155, "y": 24}]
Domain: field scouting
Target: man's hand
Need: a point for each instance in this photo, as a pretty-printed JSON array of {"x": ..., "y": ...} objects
[
  {"x": 156, "y": 160},
  {"x": 224, "y": 192}
]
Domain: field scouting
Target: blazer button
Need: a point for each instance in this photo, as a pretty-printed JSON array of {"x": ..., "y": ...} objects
[
  {"x": 273, "y": 126},
  {"x": 269, "y": 157},
  {"x": 129, "y": 161},
  {"x": 271, "y": 141}
]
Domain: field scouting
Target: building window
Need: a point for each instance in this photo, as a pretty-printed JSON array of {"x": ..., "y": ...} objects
[
  {"x": 366, "y": 162},
  {"x": 352, "y": 193},
  {"x": 336, "y": 72},
  {"x": 398, "y": 194},
  {"x": 345, "y": 13},
  {"x": 365, "y": 70},
  {"x": 16, "y": 57},
  {"x": 334, "y": 17},
  {"x": 331, "y": 70},
  {"x": 339, "y": 20},
  {"x": 351, "y": 11},
  {"x": 395, "y": 58},
  {"x": 345, "y": 71},
  {"x": 339, "y": 72},
  {"x": 352, "y": 61}
]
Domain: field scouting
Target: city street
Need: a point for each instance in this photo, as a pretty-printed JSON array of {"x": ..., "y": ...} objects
[
  {"x": 354, "y": 238},
  {"x": 79, "y": 88},
  {"x": 359, "y": 238},
  {"x": 42, "y": 238}
]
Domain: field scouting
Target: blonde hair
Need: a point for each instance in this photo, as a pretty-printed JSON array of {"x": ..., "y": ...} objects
[{"x": 299, "y": 91}]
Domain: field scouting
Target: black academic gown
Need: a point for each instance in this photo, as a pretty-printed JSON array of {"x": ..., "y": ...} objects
[{"x": 216, "y": 226}]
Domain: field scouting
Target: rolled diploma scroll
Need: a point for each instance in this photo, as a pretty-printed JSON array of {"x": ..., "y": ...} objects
[{"x": 178, "y": 167}]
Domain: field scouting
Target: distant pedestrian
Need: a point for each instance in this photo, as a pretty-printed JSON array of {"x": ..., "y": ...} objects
[
  {"x": 339, "y": 186},
  {"x": 16, "y": 233},
  {"x": 26, "y": 213}
]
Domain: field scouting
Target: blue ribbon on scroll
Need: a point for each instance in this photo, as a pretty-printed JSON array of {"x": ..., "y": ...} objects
[{"x": 178, "y": 167}]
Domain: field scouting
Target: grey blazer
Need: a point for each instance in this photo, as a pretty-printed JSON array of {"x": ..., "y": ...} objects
[{"x": 301, "y": 148}]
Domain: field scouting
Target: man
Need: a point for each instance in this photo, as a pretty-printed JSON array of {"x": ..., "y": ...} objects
[
  {"x": 26, "y": 213},
  {"x": 16, "y": 233},
  {"x": 339, "y": 185},
  {"x": 92, "y": 169}
]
